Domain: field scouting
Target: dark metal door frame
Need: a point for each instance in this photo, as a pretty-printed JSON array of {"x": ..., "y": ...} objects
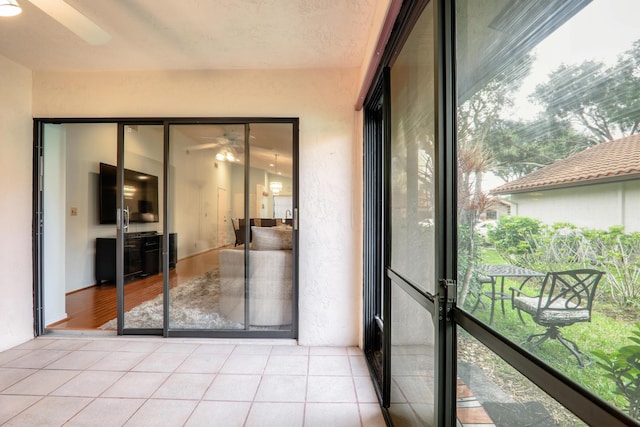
[{"x": 121, "y": 122}]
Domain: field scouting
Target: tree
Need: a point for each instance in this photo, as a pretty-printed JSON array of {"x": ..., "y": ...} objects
[
  {"x": 625, "y": 108},
  {"x": 584, "y": 104},
  {"x": 605, "y": 101},
  {"x": 519, "y": 148},
  {"x": 476, "y": 119}
]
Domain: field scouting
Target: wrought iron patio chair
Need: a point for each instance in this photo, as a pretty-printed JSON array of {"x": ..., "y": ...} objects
[{"x": 565, "y": 298}]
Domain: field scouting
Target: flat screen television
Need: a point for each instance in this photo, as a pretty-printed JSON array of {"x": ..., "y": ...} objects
[{"x": 140, "y": 195}]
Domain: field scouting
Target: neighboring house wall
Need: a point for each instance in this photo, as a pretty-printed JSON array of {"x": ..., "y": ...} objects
[
  {"x": 594, "y": 206},
  {"x": 330, "y": 161},
  {"x": 496, "y": 211},
  {"x": 16, "y": 129}
]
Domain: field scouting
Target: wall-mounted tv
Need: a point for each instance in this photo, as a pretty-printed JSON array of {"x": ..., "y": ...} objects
[{"x": 140, "y": 195}]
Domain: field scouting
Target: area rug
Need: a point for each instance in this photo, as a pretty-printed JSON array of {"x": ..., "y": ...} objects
[{"x": 193, "y": 304}]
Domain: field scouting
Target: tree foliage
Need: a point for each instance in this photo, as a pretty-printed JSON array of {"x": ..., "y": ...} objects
[
  {"x": 476, "y": 118},
  {"x": 583, "y": 104},
  {"x": 519, "y": 148},
  {"x": 605, "y": 101}
]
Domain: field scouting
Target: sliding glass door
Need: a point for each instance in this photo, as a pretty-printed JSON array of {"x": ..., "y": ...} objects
[
  {"x": 498, "y": 140},
  {"x": 411, "y": 223},
  {"x": 268, "y": 294},
  {"x": 76, "y": 289},
  {"x": 547, "y": 207},
  {"x": 175, "y": 227},
  {"x": 403, "y": 307},
  {"x": 206, "y": 191},
  {"x": 139, "y": 220},
  {"x": 231, "y": 214}
]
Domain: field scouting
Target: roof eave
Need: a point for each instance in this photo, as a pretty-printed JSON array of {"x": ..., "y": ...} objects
[{"x": 562, "y": 185}]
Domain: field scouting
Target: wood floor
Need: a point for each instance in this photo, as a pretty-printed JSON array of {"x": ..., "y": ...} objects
[{"x": 91, "y": 307}]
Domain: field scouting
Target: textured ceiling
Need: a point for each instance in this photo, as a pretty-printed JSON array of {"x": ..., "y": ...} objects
[{"x": 194, "y": 34}]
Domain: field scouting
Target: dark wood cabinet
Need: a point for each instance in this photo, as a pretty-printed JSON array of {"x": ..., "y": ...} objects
[{"x": 142, "y": 255}]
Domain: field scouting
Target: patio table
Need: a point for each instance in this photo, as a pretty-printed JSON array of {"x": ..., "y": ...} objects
[{"x": 498, "y": 272}]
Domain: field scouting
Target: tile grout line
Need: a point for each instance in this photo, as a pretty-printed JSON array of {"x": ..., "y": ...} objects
[{"x": 255, "y": 394}]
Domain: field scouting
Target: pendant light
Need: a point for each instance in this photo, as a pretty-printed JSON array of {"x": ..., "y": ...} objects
[{"x": 275, "y": 186}]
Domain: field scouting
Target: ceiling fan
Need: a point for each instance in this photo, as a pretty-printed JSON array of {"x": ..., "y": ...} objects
[
  {"x": 229, "y": 145},
  {"x": 75, "y": 21}
]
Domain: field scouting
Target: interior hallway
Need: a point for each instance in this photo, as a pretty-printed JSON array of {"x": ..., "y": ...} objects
[{"x": 96, "y": 380}]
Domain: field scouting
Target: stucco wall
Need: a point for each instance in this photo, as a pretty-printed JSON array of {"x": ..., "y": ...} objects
[
  {"x": 594, "y": 206},
  {"x": 330, "y": 160},
  {"x": 16, "y": 313}
]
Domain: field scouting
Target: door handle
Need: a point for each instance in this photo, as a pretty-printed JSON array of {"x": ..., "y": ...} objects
[{"x": 125, "y": 214}]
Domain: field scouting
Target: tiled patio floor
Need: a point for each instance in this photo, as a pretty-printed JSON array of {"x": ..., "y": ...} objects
[
  {"x": 148, "y": 381},
  {"x": 470, "y": 412}
]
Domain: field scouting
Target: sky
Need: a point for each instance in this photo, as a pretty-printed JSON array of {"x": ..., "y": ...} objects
[{"x": 602, "y": 30}]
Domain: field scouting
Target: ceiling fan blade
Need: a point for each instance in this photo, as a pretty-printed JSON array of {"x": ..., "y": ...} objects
[
  {"x": 202, "y": 146},
  {"x": 76, "y": 22}
]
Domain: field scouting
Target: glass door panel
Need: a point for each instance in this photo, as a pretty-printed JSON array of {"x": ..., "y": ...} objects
[
  {"x": 412, "y": 228},
  {"x": 412, "y": 157},
  {"x": 207, "y": 222},
  {"x": 142, "y": 222},
  {"x": 412, "y": 363},
  {"x": 270, "y": 195},
  {"x": 545, "y": 126},
  {"x": 78, "y": 283}
]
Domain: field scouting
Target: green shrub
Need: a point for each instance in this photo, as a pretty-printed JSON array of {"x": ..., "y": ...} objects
[
  {"x": 513, "y": 237},
  {"x": 526, "y": 242},
  {"x": 618, "y": 253},
  {"x": 623, "y": 367}
]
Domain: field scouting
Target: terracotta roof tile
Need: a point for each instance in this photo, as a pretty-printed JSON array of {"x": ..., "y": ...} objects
[{"x": 607, "y": 161}]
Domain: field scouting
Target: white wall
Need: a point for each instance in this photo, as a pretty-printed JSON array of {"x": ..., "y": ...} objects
[
  {"x": 330, "y": 174},
  {"x": 16, "y": 304},
  {"x": 86, "y": 147},
  {"x": 594, "y": 206},
  {"x": 70, "y": 239},
  {"x": 196, "y": 179}
]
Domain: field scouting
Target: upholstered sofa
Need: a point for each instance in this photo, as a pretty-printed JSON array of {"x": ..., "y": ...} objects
[{"x": 269, "y": 279}]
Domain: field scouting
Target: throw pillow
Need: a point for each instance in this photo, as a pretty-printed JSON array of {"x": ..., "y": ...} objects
[{"x": 271, "y": 238}]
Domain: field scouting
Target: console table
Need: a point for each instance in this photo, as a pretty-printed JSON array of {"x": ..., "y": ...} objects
[{"x": 142, "y": 255}]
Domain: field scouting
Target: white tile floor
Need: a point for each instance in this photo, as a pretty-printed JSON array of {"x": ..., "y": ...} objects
[{"x": 148, "y": 381}]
